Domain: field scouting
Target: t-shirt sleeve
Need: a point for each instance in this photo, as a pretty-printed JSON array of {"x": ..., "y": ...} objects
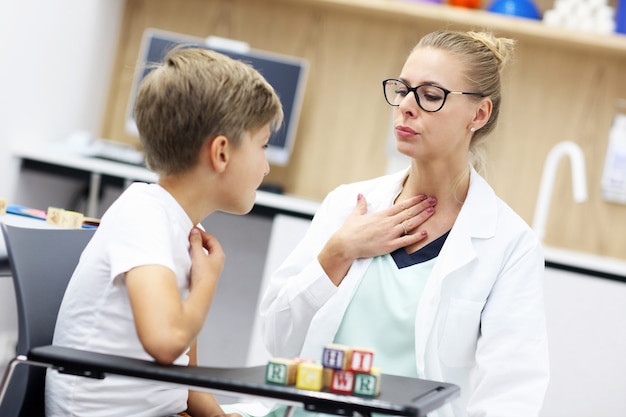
[{"x": 141, "y": 236}]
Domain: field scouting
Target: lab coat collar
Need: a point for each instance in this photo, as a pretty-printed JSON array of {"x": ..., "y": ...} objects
[
  {"x": 476, "y": 220},
  {"x": 478, "y": 214}
]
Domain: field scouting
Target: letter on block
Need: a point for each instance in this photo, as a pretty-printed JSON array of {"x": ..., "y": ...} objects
[
  {"x": 361, "y": 360},
  {"x": 309, "y": 376},
  {"x": 342, "y": 382},
  {"x": 335, "y": 356},
  {"x": 367, "y": 385},
  {"x": 281, "y": 371}
]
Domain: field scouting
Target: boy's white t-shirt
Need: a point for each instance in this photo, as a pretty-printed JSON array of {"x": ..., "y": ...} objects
[{"x": 144, "y": 226}]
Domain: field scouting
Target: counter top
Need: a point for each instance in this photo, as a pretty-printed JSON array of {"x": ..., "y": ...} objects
[{"x": 587, "y": 264}]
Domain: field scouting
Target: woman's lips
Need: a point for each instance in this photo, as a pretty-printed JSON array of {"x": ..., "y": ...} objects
[{"x": 405, "y": 132}]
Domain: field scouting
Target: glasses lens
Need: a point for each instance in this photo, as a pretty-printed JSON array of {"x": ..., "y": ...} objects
[
  {"x": 395, "y": 91},
  {"x": 431, "y": 98}
]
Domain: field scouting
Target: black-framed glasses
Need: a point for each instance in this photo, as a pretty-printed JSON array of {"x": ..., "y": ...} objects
[{"x": 430, "y": 98}]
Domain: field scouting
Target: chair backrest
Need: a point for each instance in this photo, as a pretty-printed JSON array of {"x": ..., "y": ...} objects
[{"x": 42, "y": 262}]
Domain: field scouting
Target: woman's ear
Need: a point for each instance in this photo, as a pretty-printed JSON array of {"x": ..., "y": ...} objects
[
  {"x": 216, "y": 153},
  {"x": 483, "y": 113}
]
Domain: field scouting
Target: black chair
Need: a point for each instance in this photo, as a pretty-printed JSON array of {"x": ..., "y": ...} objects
[{"x": 42, "y": 262}]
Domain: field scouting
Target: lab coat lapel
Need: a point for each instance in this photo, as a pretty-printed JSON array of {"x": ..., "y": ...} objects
[{"x": 476, "y": 220}]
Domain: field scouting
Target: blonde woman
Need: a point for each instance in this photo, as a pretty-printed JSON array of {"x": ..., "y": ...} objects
[{"x": 427, "y": 266}]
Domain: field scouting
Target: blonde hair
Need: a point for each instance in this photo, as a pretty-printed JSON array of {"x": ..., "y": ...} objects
[
  {"x": 485, "y": 56},
  {"x": 195, "y": 95}
]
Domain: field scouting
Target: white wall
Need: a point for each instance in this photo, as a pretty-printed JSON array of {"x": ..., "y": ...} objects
[{"x": 57, "y": 57}]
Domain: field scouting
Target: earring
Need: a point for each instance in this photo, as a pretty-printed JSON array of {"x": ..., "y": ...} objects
[{"x": 472, "y": 129}]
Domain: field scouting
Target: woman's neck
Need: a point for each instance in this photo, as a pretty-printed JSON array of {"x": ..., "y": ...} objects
[{"x": 447, "y": 185}]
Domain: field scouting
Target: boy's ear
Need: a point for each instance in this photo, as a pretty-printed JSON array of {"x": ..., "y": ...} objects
[{"x": 217, "y": 152}]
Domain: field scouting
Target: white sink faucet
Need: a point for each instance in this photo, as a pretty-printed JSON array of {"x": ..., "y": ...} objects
[{"x": 579, "y": 182}]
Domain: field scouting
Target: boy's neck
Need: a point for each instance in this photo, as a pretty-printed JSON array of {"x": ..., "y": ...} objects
[{"x": 184, "y": 188}]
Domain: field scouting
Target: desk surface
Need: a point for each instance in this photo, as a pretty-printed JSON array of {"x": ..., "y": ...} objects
[{"x": 399, "y": 396}]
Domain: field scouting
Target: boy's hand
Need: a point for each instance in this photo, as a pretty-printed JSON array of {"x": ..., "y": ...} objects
[{"x": 207, "y": 256}]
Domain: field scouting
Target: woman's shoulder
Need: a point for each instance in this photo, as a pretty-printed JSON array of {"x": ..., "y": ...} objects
[{"x": 498, "y": 211}]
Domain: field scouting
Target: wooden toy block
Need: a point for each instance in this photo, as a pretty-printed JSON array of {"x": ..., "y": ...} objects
[
  {"x": 361, "y": 360},
  {"x": 64, "y": 218},
  {"x": 53, "y": 215},
  {"x": 367, "y": 385},
  {"x": 3, "y": 206},
  {"x": 309, "y": 376},
  {"x": 327, "y": 377},
  {"x": 335, "y": 356},
  {"x": 72, "y": 219},
  {"x": 281, "y": 371},
  {"x": 342, "y": 382}
]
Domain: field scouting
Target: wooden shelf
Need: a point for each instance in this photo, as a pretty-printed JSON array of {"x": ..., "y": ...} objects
[{"x": 518, "y": 28}]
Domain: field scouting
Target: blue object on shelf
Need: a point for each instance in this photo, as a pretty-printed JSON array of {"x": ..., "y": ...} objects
[
  {"x": 620, "y": 18},
  {"x": 519, "y": 8}
]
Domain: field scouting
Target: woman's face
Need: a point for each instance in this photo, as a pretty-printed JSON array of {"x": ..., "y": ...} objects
[{"x": 444, "y": 134}]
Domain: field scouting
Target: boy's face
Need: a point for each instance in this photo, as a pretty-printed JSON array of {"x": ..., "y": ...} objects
[{"x": 248, "y": 166}]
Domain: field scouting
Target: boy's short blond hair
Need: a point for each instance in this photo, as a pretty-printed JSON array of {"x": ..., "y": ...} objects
[{"x": 195, "y": 95}]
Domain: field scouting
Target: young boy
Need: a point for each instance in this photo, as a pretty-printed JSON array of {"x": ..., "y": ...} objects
[{"x": 145, "y": 282}]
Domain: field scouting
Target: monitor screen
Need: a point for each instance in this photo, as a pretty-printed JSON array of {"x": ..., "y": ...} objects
[{"x": 287, "y": 74}]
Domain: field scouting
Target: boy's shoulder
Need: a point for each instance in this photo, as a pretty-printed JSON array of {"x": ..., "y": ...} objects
[{"x": 141, "y": 200}]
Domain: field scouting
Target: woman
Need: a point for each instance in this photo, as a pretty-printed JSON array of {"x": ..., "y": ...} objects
[{"x": 427, "y": 266}]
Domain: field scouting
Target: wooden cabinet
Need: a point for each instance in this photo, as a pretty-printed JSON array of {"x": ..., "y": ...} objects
[{"x": 562, "y": 85}]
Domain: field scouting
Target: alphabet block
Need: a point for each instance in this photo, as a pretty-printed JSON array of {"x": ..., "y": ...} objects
[
  {"x": 64, "y": 218},
  {"x": 361, "y": 360},
  {"x": 344, "y": 370},
  {"x": 335, "y": 356},
  {"x": 281, "y": 371},
  {"x": 309, "y": 376},
  {"x": 367, "y": 385},
  {"x": 342, "y": 382}
]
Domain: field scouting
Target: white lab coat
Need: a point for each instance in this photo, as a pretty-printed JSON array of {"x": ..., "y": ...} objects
[{"x": 480, "y": 321}]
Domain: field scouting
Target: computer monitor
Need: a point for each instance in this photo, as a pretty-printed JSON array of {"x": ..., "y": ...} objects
[{"x": 287, "y": 74}]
